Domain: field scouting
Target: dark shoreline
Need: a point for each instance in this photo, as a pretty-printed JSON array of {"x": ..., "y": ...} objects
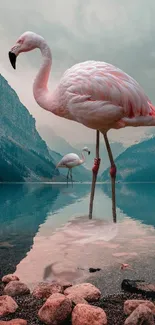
[{"x": 112, "y": 305}]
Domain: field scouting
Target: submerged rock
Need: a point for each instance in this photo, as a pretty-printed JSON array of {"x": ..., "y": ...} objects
[
  {"x": 88, "y": 315},
  {"x": 140, "y": 287},
  {"x": 16, "y": 288},
  {"x": 131, "y": 305},
  {"x": 85, "y": 290},
  {"x": 93, "y": 270},
  {"x": 7, "y": 305},
  {"x": 56, "y": 309},
  {"x": 45, "y": 290},
  {"x": 10, "y": 277},
  {"x": 141, "y": 315}
]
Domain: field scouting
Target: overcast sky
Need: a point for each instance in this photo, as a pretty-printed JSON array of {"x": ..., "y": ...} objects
[{"x": 121, "y": 32}]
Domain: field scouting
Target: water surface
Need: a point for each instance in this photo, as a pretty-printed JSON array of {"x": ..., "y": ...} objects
[{"x": 45, "y": 232}]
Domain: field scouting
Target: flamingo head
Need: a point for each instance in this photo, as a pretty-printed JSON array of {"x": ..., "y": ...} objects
[
  {"x": 86, "y": 149},
  {"x": 25, "y": 43}
]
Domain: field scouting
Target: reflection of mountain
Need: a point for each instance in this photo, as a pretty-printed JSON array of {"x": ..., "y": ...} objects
[
  {"x": 135, "y": 200},
  {"x": 136, "y": 164},
  {"x": 22, "y": 209},
  {"x": 23, "y": 153}
]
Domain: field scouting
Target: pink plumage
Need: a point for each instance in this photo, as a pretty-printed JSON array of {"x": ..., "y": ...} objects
[{"x": 95, "y": 94}]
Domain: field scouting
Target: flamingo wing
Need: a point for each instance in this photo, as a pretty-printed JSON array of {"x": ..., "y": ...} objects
[
  {"x": 69, "y": 160},
  {"x": 100, "y": 94}
]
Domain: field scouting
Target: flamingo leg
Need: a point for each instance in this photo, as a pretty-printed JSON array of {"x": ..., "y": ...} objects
[
  {"x": 71, "y": 176},
  {"x": 113, "y": 171},
  {"x": 67, "y": 176},
  {"x": 94, "y": 174}
]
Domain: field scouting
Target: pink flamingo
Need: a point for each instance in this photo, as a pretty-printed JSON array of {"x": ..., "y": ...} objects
[
  {"x": 72, "y": 160},
  {"x": 95, "y": 94}
]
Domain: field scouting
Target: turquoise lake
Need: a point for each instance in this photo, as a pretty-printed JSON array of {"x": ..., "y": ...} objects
[{"x": 45, "y": 232}]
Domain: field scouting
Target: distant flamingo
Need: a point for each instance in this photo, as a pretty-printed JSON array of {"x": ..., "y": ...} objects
[
  {"x": 95, "y": 94},
  {"x": 70, "y": 161}
]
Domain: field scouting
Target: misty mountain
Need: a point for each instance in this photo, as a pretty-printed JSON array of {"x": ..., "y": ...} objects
[
  {"x": 24, "y": 155},
  {"x": 117, "y": 149},
  {"x": 136, "y": 163},
  {"x": 58, "y": 147}
]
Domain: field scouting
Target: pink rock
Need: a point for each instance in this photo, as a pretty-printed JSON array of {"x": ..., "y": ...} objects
[
  {"x": 131, "y": 305},
  {"x": 76, "y": 299},
  {"x": 10, "y": 277},
  {"x": 45, "y": 290},
  {"x": 7, "y": 305},
  {"x": 88, "y": 315},
  {"x": 85, "y": 290},
  {"x": 141, "y": 315},
  {"x": 17, "y": 321},
  {"x": 16, "y": 288},
  {"x": 55, "y": 310},
  {"x": 65, "y": 284}
]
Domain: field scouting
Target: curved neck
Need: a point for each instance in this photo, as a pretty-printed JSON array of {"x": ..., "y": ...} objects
[
  {"x": 40, "y": 91},
  {"x": 83, "y": 158}
]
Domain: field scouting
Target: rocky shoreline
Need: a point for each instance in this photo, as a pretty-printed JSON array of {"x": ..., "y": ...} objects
[{"x": 63, "y": 303}]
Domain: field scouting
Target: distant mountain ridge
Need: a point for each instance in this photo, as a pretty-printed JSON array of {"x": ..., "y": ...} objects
[
  {"x": 59, "y": 144},
  {"x": 136, "y": 163},
  {"x": 116, "y": 147}
]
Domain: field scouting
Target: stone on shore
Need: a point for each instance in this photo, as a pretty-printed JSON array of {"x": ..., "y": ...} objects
[
  {"x": 16, "y": 321},
  {"x": 9, "y": 277},
  {"x": 56, "y": 309},
  {"x": 7, "y": 305},
  {"x": 131, "y": 305},
  {"x": 76, "y": 299},
  {"x": 16, "y": 288},
  {"x": 85, "y": 290},
  {"x": 141, "y": 315},
  {"x": 140, "y": 287},
  {"x": 88, "y": 315},
  {"x": 45, "y": 290}
]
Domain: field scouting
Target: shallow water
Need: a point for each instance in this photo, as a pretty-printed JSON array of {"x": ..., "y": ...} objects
[{"x": 45, "y": 232}]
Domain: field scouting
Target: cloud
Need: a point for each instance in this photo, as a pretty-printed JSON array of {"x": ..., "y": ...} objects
[{"x": 119, "y": 32}]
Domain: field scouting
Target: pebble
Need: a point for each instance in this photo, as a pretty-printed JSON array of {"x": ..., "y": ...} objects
[
  {"x": 131, "y": 305},
  {"x": 85, "y": 290},
  {"x": 88, "y": 315},
  {"x": 16, "y": 288},
  {"x": 141, "y": 315},
  {"x": 9, "y": 277},
  {"x": 16, "y": 321},
  {"x": 56, "y": 309},
  {"x": 45, "y": 290},
  {"x": 7, "y": 305}
]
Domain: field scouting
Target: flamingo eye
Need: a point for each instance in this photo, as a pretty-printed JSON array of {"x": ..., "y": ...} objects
[{"x": 20, "y": 41}]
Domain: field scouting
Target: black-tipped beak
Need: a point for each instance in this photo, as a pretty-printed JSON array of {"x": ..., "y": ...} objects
[
  {"x": 88, "y": 152},
  {"x": 12, "y": 58}
]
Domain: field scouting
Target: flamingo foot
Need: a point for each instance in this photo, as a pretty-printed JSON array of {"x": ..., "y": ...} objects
[{"x": 96, "y": 165}]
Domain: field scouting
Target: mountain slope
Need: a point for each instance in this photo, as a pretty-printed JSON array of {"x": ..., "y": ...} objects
[
  {"x": 23, "y": 154},
  {"x": 136, "y": 164}
]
